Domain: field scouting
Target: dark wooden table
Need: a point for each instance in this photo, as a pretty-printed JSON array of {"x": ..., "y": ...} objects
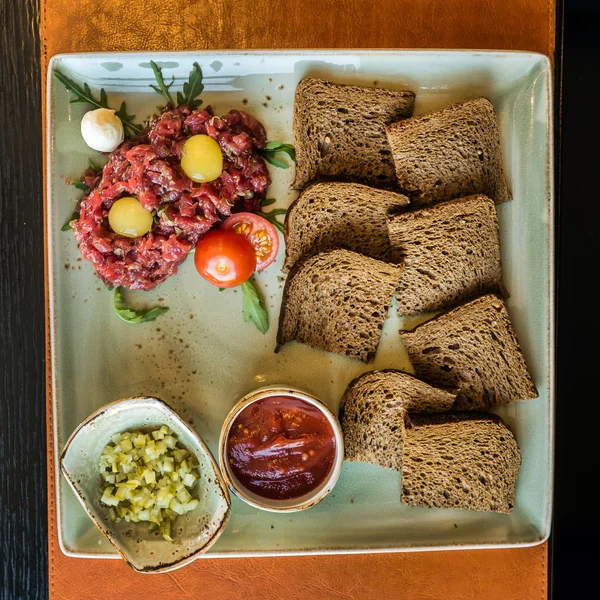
[
  {"x": 23, "y": 552},
  {"x": 23, "y": 555}
]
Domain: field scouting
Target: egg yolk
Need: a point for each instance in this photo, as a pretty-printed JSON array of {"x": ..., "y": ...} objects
[
  {"x": 127, "y": 217},
  {"x": 202, "y": 159}
]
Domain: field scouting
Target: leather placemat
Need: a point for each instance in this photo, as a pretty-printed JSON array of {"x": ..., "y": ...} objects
[{"x": 119, "y": 25}]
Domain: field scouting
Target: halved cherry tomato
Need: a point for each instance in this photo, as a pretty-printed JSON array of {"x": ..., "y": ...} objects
[
  {"x": 225, "y": 258},
  {"x": 259, "y": 232}
]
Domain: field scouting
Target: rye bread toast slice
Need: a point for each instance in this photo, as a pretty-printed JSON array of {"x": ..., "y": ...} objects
[
  {"x": 333, "y": 215},
  {"x": 449, "y": 153},
  {"x": 475, "y": 349},
  {"x": 372, "y": 414},
  {"x": 339, "y": 131},
  {"x": 467, "y": 461},
  {"x": 450, "y": 251},
  {"x": 337, "y": 301}
]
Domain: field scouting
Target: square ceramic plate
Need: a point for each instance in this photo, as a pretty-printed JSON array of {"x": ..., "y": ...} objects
[{"x": 201, "y": 357}]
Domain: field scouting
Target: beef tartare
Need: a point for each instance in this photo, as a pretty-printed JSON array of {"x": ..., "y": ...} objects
[{"x": 148, "y": 167}]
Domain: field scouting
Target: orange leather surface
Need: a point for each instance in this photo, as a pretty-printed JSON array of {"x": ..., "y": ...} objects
[{"x": 94, "y": 25}]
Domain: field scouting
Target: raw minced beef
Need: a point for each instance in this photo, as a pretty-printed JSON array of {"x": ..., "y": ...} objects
[{"x": 149, "y": 168}]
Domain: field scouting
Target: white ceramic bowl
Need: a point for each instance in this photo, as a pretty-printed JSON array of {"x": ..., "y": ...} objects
[
  {"x": 295, "y": 504},
  {"x": 194, "y": 532}
]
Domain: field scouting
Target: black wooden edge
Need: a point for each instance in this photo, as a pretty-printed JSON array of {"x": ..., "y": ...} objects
[{"x": 558, "y": 80}]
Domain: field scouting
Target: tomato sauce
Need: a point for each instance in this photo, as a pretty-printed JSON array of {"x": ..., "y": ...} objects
[{"x": 281, "y": 447}]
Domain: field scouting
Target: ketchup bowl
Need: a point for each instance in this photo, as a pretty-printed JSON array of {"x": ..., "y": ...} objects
[{"x": 281, "y": 449}]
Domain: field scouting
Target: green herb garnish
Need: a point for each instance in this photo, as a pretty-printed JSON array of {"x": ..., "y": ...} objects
[
  {"x": 271, "y": 216},
  {"x": 127, "y": 120},
  {"x": 267, "y": 201},
  {"x": 273, "y": 148},
  {"x": 163, "y": 88},
  {"x": 192, "y": 88},
  {"x": 94, "y": 166},
  {"x": 135, "y": 316},
  {"x": 80, "y": 186},
  {"x": 254, "y": 307},
  {"x": 67, "y": 225},
  {"x": 85, "y": 95}
]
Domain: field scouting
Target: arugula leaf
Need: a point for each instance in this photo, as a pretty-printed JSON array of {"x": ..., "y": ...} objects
[
  {"x": 254, "y": 307},
  {"x": 135, "y": 316},
  {"x": 273, "y": 148},
  {"x": 127, "y": 119},
  {"x": 82, "y": 95},
  {"x": 281, "y": 147},
  {"x": 80, "y": 186},
  {"x": 267, "y": 201},
  {"x": 271, "y": 217},
  {"x": 192, "y": 88},
  {"x": 275, "y": 161},
  {"x": 67, "y": 225},
  {"x": 94, "y": 166},
  {"x": 163, "y": 88},
  {"x": 85, "y": 95}
]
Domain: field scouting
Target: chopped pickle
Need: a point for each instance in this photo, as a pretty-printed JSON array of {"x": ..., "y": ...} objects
[{"x": 147, "y": 477}]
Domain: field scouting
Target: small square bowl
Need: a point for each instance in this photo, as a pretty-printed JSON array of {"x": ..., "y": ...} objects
[{"x": 146, "y": 552}]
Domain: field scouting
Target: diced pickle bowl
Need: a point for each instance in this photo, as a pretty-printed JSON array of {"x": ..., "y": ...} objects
[{"x": 193, "y": 533}]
